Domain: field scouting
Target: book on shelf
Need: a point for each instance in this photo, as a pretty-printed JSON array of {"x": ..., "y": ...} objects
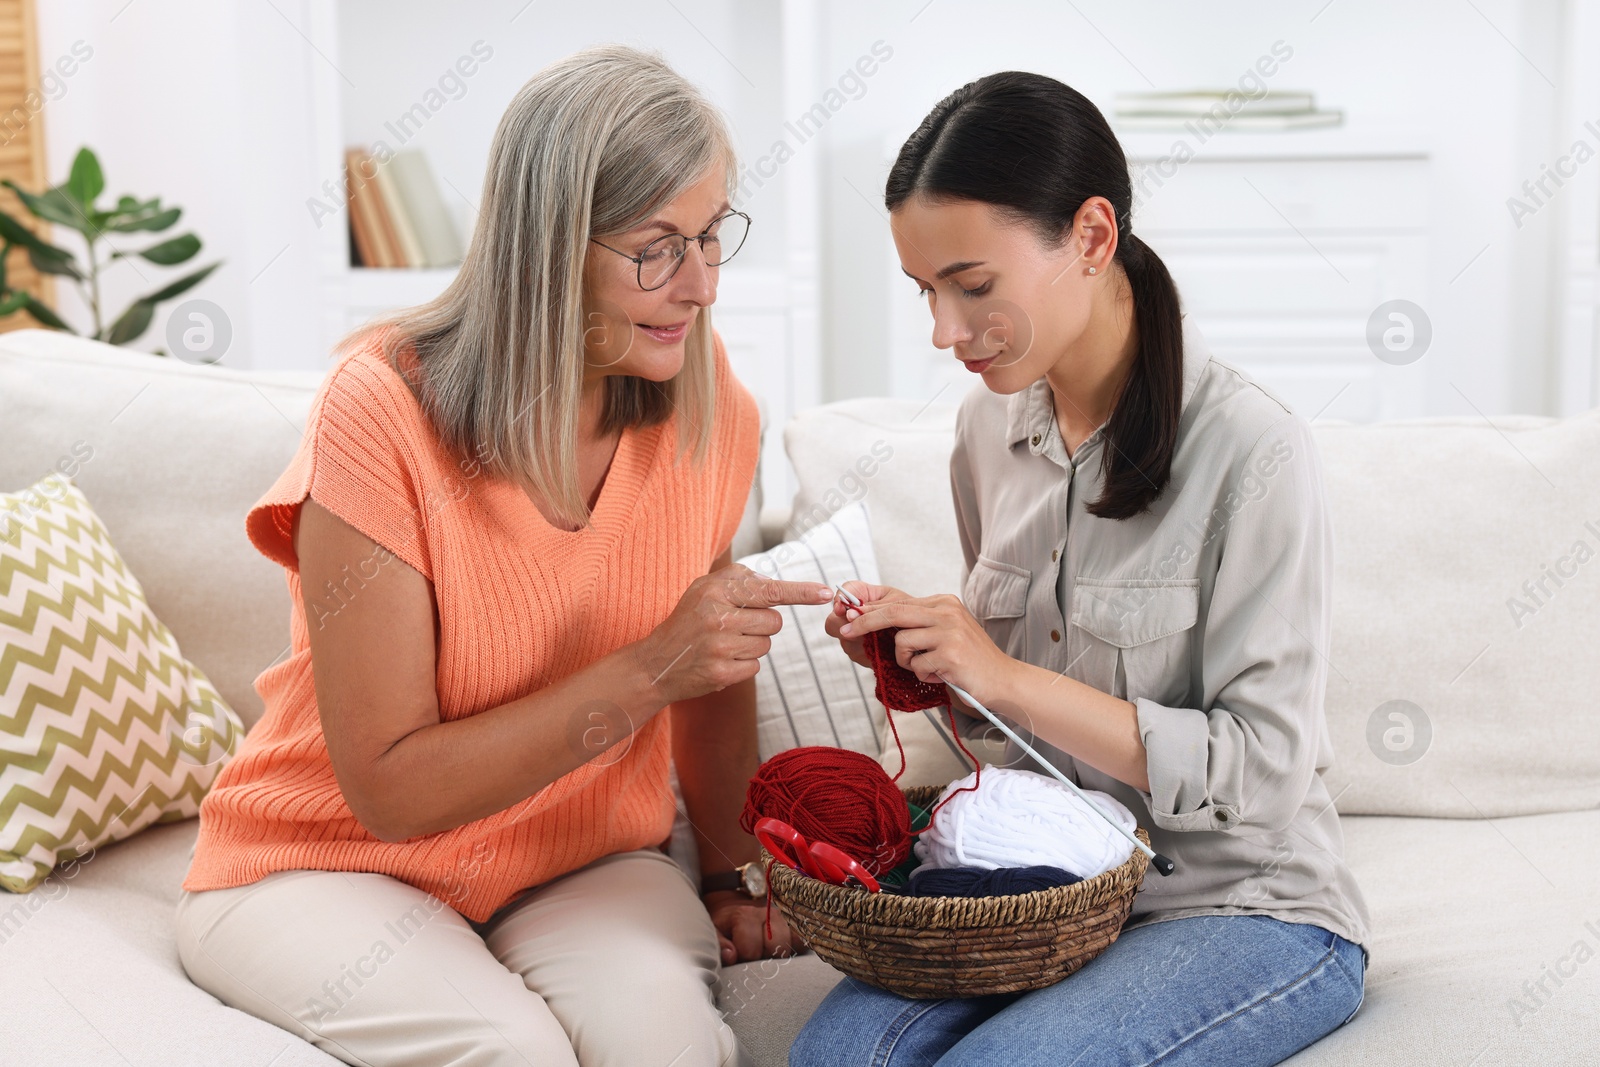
[
  {"x": 424, "y": 204},
  {"x": 366, "y": 231},
  {"x": 397, "y": 215}
]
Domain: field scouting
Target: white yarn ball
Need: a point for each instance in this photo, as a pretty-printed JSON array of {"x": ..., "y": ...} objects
[{"x": 1019, "y": 818}]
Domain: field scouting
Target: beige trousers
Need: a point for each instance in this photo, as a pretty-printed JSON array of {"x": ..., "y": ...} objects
[{"x": 611, "y": 965}]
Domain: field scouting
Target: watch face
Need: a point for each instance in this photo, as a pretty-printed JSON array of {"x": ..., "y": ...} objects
[{"x": 755, "y": 880}]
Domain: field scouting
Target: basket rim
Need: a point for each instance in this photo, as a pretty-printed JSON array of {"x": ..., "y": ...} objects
[{"x": 853, "y": 904}]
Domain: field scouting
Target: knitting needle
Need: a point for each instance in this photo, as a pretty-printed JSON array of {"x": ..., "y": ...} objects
[{"x": 1162, "y": 864}]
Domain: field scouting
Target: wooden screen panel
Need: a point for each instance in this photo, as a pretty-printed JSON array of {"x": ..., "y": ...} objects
[{"x": 22, "y": 145}]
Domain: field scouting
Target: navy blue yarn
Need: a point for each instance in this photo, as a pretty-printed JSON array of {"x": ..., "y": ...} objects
[{"x": 983, "y": 882}]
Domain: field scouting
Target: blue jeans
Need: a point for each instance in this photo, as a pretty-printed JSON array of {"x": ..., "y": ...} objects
[{"x": 1210, "y": 989}]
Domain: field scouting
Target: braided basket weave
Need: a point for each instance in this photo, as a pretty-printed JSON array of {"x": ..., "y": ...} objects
[{"x": 931, "y": 947}]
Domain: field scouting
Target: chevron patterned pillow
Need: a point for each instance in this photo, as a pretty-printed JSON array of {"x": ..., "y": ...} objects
[{"x": 104, "y": 727}]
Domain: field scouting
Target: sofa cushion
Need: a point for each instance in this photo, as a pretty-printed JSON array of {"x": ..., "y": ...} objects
[
  {"x": 895, "y": 455},
  {"x": 175, "y": 454},
  {"x": 104, "y": 727},
  {"x": 1462, "y": 670},
  {"x": 1485, "y": 946}
]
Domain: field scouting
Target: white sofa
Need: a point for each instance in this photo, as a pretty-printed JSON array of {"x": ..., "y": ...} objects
[{"x": 1479, "y": 859}]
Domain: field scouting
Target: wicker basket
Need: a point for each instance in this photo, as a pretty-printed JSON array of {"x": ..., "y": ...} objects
[{"x": 929, "y": 947}]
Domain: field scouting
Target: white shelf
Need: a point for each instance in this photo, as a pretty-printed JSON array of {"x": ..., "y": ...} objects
[{"x": 1347, "y": 141}]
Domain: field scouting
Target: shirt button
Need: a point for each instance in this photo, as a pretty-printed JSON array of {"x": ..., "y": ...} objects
[
  {"x": 1055, "y": 554},
  {"x": 1222, "y": 816},
  {"x": 1055, "y": 635},
  {"x": 1035, "y": 439}
]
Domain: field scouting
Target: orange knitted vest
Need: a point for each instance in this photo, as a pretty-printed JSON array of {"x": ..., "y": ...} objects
[{"x": 521, "y": 604}]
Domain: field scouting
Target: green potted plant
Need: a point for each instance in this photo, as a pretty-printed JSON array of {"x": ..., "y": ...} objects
[{"x": 72, "y": 204}]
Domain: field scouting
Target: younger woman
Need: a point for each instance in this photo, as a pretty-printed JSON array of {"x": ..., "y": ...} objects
[{"x": 1149, "y": 558}]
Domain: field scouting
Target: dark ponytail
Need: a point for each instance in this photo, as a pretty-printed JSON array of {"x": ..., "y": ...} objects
[{"x": 1037, "y": 149}]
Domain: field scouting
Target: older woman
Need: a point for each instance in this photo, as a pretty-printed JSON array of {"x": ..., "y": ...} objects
[{"x": 507, "y": 539}]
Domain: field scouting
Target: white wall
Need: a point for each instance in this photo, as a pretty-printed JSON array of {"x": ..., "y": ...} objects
[
  {"x": 202, "y": 105},
  {"x": 210, "y": 105}
]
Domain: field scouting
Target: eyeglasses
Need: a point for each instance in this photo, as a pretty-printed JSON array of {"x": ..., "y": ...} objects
[{"x": 662, "y": 257}]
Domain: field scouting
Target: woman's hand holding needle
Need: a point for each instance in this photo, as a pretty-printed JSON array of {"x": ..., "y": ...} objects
[{"x": 1162, "y": 864}]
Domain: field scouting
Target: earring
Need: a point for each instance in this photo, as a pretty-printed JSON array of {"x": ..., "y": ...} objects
[{"x": 1091, "y": 270}]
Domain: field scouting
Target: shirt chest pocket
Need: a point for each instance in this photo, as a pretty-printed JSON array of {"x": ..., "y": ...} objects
[
  {"x": 1137, "y": 636},
  {"x": 997, "y": 595}
]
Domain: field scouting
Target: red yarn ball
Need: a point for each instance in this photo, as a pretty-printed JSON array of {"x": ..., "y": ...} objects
[{"x": 835, "y": 795}]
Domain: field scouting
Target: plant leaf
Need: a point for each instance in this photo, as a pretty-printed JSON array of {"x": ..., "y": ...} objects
[
  {"x": 18, "y": 234},
  {"x": 86, "y": 180},
  {"x": 128, "y": 205},
  {"x": 148, "y": 216},
  {"x": 132, "y": 322},
  {"x": 15, "y": 302},
  {"x": 45, "y": 257},
  {"x": 48, "y": 259},
  {"x": 72, "y": 213},
  {"x": 52, "y": 205},
  {"x": 174, "y": 250},
  {"x": 44, "y": 315},
  {"x": 187, "y": 282}
]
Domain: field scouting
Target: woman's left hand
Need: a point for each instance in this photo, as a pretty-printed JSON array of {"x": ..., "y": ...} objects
[
  {"x": 939, "y": 641},
  {"x": 741, "y": 928}
]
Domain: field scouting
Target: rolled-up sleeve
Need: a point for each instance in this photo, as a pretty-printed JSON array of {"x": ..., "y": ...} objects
[{"x": 1245, "y": 759}]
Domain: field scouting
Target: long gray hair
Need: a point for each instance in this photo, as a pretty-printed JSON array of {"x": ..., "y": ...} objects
[{"x": 593, "y": 144}]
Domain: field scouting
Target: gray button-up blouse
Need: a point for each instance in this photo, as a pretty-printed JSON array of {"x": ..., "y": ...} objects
[{"x": 1210, "y": 612}]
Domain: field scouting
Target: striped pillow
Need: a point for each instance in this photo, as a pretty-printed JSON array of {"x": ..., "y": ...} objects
[
  {"x": 808, "y": 692},
  {"x": 104, "y": 727}
]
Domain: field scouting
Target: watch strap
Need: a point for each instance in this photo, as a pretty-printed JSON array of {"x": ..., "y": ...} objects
[{"x": 711, "y": 883}]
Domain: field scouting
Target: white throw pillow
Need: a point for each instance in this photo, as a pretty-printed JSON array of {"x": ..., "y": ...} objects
[{"x": 808, "y": 691}]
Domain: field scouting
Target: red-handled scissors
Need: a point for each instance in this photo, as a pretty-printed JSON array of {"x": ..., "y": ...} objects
[{"x": 817, "y": 859}]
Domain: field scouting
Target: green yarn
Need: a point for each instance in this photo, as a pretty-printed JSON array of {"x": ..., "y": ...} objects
[{"x": 900, "y": 876}]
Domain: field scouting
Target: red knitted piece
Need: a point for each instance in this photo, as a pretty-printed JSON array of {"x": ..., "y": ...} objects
[{"x": 899, "y": 689}]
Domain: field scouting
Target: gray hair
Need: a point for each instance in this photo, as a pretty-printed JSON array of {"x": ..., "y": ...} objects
[{"x": 593, "y": 144}]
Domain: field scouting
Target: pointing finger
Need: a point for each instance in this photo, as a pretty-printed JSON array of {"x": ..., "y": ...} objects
[{"x": 760, "y": 592}]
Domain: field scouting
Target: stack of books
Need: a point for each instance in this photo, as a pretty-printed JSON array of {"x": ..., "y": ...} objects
[
  {"x": 397, "y": 216},
  {"x": 1213, "y": 108}
]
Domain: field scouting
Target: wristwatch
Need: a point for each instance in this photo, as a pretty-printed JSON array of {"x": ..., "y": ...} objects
[{"x": 748, "y": 879}]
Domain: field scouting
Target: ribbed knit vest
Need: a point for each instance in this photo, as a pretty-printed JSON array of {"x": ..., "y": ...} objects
[{"x": 521, "y": 605}]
